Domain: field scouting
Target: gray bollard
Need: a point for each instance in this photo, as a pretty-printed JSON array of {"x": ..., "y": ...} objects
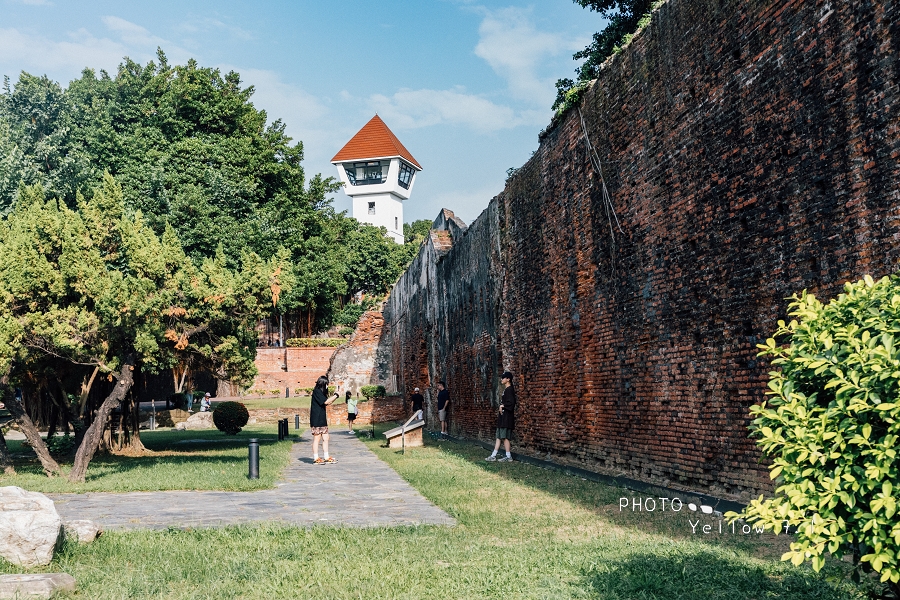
[
  {"x": 296, "y": 421},
  {"x": 254, "y": 458}
]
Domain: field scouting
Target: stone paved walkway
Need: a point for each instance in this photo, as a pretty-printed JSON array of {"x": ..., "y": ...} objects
[{"x": 359, "y": 491}]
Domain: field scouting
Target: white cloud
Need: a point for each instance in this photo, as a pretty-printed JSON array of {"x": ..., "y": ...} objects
[
  {"x": 284, "y": 101},
  {"x": 143, "y": 43},
  {"x": 37, "y": 53},
  {"x": 516, "y": 50},
  {"x": 64, "y": 59},
  {"x": 411, "y": 109},
  {"x": 207, "y": 24}
]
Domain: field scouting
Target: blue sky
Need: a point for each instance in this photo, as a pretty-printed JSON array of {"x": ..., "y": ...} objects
[{"x": 465, "y": 85}]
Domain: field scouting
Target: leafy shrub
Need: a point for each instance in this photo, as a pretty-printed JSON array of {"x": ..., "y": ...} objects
[
  {"x": 314, "y": 342},
  {"x": 230, "y": 417},
  {"x": 307, "y": 391},
  {"x": 61, "y": 445},
  {"x": 346, "y": 331},
  {"x": 372, "y": 391},
  {"x": 831, "y": 424},
  {"x": 350, "y": 314}
]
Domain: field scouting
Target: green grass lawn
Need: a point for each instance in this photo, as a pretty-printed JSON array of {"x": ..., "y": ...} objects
[
  {"x": 523, "y": 532},
  {"x": 180, "y": 460}
]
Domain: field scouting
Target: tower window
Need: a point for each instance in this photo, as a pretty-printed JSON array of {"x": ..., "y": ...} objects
[
  {"x": 367, "y": 173},
  {"x": 396, "y": 223},
  {"x": 405, "y": 176},
  {"x": 371, "y": 208}
]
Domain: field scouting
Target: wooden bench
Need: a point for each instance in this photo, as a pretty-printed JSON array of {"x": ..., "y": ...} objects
[{"x": 407, "y": 435}]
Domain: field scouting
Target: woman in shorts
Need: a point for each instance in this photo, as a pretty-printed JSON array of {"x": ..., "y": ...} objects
[{"x": 318, "y": 421}]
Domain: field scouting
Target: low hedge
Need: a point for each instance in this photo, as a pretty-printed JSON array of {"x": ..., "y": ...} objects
[
  {"x": 372, "y": 391},
  {"x": 315, "y": 342}
]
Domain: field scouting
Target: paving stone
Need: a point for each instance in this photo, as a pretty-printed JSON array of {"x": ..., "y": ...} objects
[
  {"x": 39, "y": 585},
  {"x": 358, "y": 491}
]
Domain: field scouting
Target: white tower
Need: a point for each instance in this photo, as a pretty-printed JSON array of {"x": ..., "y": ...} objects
[{"x": 378, "y": 174}]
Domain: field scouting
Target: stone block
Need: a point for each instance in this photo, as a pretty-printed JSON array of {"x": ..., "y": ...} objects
[
  {"x": 38, "y": 585},
  {"x": 30, "y": 527}
]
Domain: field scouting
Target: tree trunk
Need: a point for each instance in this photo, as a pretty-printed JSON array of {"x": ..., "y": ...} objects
[
  {"x": 94, "y": 433},
  {"x": 31, "y": 433},
  {"x": 5, "y": 458},
  {"x": 51, "y": 426},
  {"x": 86, "y": 391},
  {"x": 135, "y": 445}
]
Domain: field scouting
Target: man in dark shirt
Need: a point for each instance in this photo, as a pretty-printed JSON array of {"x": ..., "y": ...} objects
[
  {"x": 443, "y": 404},
  {"x": 506, "y": 420},
  {"x": 418, "y": 401}
]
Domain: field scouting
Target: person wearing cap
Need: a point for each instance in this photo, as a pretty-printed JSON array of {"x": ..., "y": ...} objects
[
  {"x": 418, "y": 401},
  {"x": 506, "y": 420},
  {"x": 205, "y": 403}
]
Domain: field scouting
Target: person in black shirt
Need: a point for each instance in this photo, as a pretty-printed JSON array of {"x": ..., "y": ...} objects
[
  {"x": 318, "y": 422},
  {"x": 418, "y": 401},
  {"x": 506, "y": 420},
  {"x": 443, "y": 404}
]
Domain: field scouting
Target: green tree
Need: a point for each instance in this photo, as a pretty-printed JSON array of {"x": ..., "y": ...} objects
[
  {"x": 371, "y": 263},
  {"x": 624, "y": 19},
  {"x": 191, "y": 152},
  {"x": 417, "y": 231},
  {"x": 105, "y": 292},
  {"x": 831, "y": 425}
]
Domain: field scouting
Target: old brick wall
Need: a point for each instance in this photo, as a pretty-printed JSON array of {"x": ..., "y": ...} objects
[
  {"x": 750, "y": 149},
  {"x": 304, "y": 366},
  {"x": 353, "y": 365}
]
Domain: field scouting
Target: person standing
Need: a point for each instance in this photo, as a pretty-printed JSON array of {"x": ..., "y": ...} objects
[
  {"x": 443, "y": 404},
  {"x": 418, "y": 402},
  {"x": 506, "y": 420},
  {"x": 318, "y": 421},
  {"x": 351, "y": 411}
]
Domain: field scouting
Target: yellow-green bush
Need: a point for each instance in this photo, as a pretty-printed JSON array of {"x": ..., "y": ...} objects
[{"x": 831, "y": 425}]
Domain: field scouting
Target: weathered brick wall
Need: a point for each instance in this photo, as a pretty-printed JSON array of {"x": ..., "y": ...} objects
[
  {"x": 353, "y": 365},
  {"x": 750, "y": 150},
  {"x": 304, "y": 366}
]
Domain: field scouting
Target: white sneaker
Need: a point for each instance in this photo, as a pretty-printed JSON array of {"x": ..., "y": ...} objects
[
  {"x": 505, "y": 459},
  {"x": 491, "y": 459}
]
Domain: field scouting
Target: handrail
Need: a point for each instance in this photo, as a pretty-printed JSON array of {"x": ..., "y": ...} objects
[{"x": 418, "y": 413}]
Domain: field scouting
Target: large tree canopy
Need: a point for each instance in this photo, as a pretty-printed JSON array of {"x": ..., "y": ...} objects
[
  {"x": 96, "y": 288},
  {"x": 191, "y": 152}
]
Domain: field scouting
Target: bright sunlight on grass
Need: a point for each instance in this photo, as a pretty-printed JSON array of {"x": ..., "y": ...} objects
[
  {"x": 179, "y": 460},
  {"x": 523, "y": 532}
]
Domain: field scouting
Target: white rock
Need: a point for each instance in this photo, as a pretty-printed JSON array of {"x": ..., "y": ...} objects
[
  {"x": 179, "y": 426},
  {"x": 29, "y": 527},
  {"x": 39, "y": 585},
  {"x": 83, "y": 530},
  {"x": 200, "y": 420}
]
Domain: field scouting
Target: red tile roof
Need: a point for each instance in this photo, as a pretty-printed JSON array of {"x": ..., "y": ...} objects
[{"x": 374, "y": 140}]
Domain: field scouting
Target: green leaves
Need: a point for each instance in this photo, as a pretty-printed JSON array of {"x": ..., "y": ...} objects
[
  {"x": 92, "y": 285},
  {"x": 830, "y": 425}
]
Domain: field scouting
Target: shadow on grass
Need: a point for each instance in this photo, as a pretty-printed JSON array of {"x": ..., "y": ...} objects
[
  {"x": 679, "y": 572},
  {"x": 604, "y": 500},
  {"x": 203, "y": 450}
]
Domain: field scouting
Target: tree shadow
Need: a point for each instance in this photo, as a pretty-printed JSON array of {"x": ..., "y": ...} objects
[
  {"x": 606, "y": 501},
  {"x": 681, "y": 572}
]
